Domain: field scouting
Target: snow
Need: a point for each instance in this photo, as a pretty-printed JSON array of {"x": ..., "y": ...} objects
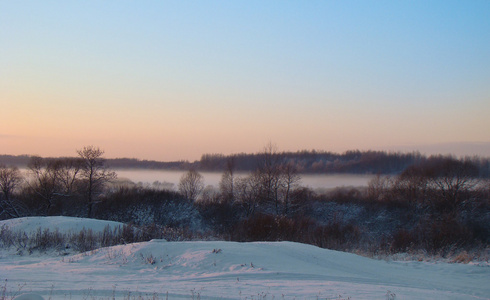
[
  {"x": 62, "y": 224},
  {"x": 29, "y": 297},
  {"x": 231, "y": 270}
]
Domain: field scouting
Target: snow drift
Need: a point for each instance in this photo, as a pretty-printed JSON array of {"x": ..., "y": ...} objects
[{"x": 230, "y": 270}]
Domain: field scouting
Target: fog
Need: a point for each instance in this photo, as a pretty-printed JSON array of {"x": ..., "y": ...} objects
[{"x": 212, "y": 178}]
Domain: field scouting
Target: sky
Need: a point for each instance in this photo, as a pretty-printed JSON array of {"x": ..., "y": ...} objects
[{"x": 172, "y": 80}]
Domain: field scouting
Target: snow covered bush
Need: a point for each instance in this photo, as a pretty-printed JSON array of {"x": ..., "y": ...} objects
[
  {"x": 145, "y": 206},
  {"x": 43, "y": 240}
]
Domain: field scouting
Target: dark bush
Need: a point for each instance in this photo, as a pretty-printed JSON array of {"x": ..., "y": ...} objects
[
  {"x": 443, "y": 233},
  {"x": 220, "y": 217},
  {"x": 300, "y": 229},
  {"x": 402, "y": 241}
]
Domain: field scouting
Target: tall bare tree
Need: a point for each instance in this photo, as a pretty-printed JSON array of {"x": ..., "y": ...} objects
[
  {"x": 442, "y": 181},
  {"x": 10, "y": 178},
  {"x": 43, "y": 182},
  {"x": 94, "y": 173},
  {"x": 412, "y": 185},
  {"x": 68, "y": 170},
  {"x": 248, "y": 193},
  {"x": 452, "y": 178},
  {"x": 52, "y": 179},
  {"x": 379, "y": 188},
  {"x": 191, "y": 184},
  {"x": 269, "y": 171},
  {"x": 227, "y": 182},
  {"x": 290, "y": 180}
]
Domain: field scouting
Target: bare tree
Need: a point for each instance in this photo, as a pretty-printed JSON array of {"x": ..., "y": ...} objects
[
  {"x": 94, "y": 173},
  {"x": 272, "y": 183},
  {"x": 43, "y": 183},
  {"x": 191, "y": 184},
  {"x": 412, "y": 185},
  {"x": 248, "y": 193},
  {"x": 290, "y": 180},
  {"x": 453, "y": 179},
  {"x": 441, "y": 181},
  {"x": 227, "y": 182},
  {"x": 68, "y": 170},
  {"x": 52, "y": 179},
  {"x": 269, "y": 171},
  {"x": 10, "y": 178},
  {"x": 379, "y": 188}
]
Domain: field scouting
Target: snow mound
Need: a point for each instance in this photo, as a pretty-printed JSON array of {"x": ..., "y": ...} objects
[
  {"x": 65, "y": 225},
  {"x": 227, "y": 270},
  {"x": 218, "y": 258},
  {"x": 231, "y": 270}
]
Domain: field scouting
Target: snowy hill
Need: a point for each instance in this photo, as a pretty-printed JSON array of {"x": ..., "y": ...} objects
[
  {"x": 62, "y": 224},
  {"x": 229, "y": 270}
]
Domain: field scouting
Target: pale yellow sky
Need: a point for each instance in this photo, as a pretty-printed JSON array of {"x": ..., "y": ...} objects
[{"x": 167, "y": 81}]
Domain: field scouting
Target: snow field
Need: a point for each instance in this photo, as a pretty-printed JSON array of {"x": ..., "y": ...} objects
[{"x": 230, "y": 270}]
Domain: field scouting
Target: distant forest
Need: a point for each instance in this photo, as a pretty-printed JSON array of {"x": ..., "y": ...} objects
[{"x": 317, "y": 162}]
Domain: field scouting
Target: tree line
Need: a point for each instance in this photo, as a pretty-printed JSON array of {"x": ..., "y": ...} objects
[
  {"x": 440, "y": 203},
  {"x": 351, "y": 162},
  {"x": 306, "y": 161},
  {"x": 274, "y": 181}
]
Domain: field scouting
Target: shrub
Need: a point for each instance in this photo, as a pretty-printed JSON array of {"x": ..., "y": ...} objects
[
  {"x": 45, "y": 239},
  {"x": 84, "y": 241},
  {"x": 300, "y": 229},
  {"x": 402, "y": 241}
]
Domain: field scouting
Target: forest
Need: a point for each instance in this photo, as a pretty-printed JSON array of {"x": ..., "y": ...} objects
[
  {"x": 306, "y": 161},
  {"x": 432, "y": 206}
]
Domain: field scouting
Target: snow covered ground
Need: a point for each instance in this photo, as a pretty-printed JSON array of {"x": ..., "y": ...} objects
[
  {"x": 229, "y": 270},
  {"x": 60, "y": 223}
]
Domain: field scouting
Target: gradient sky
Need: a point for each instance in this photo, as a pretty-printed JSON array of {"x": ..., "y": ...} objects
[{"x": 170, "y": 80}]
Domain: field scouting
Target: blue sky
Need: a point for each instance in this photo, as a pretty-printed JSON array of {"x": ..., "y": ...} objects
[{"x": 175, "y": 79}]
